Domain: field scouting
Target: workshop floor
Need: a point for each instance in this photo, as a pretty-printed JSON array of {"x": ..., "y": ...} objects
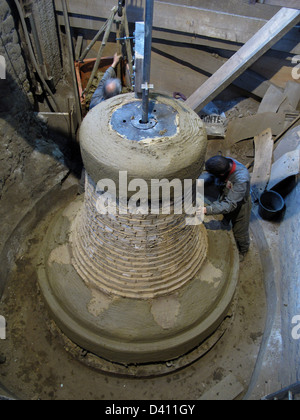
[
  {"x": 246, "y": 363},
  {"x": 249, "y": 357},
  {"x": 38, "y": 366}
]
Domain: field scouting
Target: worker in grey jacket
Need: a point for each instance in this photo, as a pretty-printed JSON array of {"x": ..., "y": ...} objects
[
  {"x": 234, "y": 200},
  {"x": 109, "y": 86}
]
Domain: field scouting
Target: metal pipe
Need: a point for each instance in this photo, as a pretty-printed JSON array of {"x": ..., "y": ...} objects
[{"x": 147, "y": 59}]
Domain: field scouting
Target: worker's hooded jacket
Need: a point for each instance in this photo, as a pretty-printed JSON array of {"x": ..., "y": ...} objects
[
  {"x": 234, "y": 192},
  {"x": 98, "y": 96}
]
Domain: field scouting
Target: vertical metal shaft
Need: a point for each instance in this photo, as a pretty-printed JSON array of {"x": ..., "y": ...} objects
[{"x": 147, "y": 58}]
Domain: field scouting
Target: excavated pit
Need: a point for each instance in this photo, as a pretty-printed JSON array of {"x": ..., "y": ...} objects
[
  {"x": 249, "y": 353},
  {"x": 41, "y": 362},
  {"x": 137, "y": 288}
]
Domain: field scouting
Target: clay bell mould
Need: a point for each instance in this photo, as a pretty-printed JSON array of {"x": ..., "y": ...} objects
[
  {"x": 137, "y": 288},
  {"x": 129, "y": 255}
]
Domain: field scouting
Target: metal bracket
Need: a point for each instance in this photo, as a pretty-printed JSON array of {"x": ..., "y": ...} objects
[
  {"x": 139, "y": 56},
  {"x": 146, "y": 86},
  {"x": 125, "y": 38}
]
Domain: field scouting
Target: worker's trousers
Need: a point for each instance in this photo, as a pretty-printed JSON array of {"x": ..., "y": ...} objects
[{"x": 240, "y": 219}]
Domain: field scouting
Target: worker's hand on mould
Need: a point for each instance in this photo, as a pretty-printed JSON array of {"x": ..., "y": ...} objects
[{"x": 116, "y": 60}]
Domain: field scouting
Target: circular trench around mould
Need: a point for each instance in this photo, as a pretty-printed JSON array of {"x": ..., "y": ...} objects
[
  {"x": 109, "y": 289},
  {"x": 114, "y": 328},
  {"x": 32, "y": 354}
]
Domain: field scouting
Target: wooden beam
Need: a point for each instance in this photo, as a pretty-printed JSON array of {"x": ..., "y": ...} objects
[
  {"x": 264, "y": 146},
  {"x": 288, "y": 43},
  {"x": 229, "y": 24},
  {"x": 261, "y": 42},
  {"x": 191, "y": 19},
  {"x": 234, "y": 7},
  {"x": 204, "y": 62},
  {"x": 272, "y": 100},
  {"x": 245, "y": 128},
  {"x": 184, "y": 79},
  {"x": 294, "y": 4},
  {"x": 286, "y": 166},
  {"x": 227, "y": 389},
  {"x": 235, "y": 28}
]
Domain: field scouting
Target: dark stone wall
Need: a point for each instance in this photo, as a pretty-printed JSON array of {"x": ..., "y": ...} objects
[
  {"x": 30, "y": 161},
  {"x": 44, "y": 16}
]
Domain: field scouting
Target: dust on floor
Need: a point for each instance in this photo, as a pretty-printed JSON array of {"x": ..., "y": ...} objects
[{"x": 37, "y": 366}]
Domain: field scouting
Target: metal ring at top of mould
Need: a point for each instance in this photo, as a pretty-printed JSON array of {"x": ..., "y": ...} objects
[{"x": 127, "y": 121}]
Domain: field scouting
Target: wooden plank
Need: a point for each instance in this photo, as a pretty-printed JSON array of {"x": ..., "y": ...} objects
[
  {"x": 289, "y": 43},
  {"x": 292, "y": 97},
  {"x": 261, "y": 42},
  {"x": 234, "y": 28},
  {"x": 290, "y": 142},
  {"x": 249, "y": 127},
  {"x": 284, "y": 3},
  {"x": 279, "y": 137},
  {"x": 193, "y": 39},
  {"x": 229, "y": 25},
  {"x": 227, "y": 389},
  {"x": 286, "y": 166},
  {"x": 204, "y": 62},
  {"x": 276, "y": 68},
  {"x": 292, "y": 91},
  {"x": 272, "y": 100},
  {"x": 233, "y": 7},
  {"x": 182, "y": 79},
  {"x": 177, "y": 17},
  {"x": 264, "y": 146},
  {"x": 236, "y": 7}
]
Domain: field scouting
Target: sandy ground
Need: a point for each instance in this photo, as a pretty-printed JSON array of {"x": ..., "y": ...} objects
[{"x": 37, "y": 366}]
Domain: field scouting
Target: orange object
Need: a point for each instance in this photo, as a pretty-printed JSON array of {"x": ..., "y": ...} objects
[{"x": 84, "y": 70}]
